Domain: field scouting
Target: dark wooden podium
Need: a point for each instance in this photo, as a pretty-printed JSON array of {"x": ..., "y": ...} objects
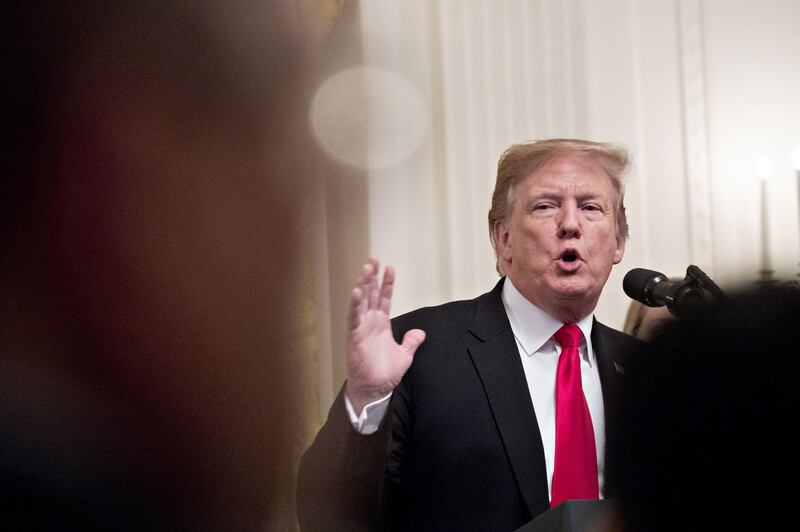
[{"x": 573, "y": 516}]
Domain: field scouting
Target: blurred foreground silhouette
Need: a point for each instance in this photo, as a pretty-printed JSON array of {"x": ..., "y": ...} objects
[
  {"x": 708, "y": 439},
  {"x": 150, "y": 157}
]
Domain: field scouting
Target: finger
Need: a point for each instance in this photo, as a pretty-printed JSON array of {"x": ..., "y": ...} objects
[
  {"x": 365, "y": 277},
  {"x": 355, "y": 312},
  {"x": 373, "y": 293},
  {"x": 373, "y": 268},
  {"x": 412, "y": 340},
  {"x": 364, "y": 280},
  {"x": 375, "y": 263},
  {"x": 387, "y": 287},
  {"x": 364, "y": 274}
]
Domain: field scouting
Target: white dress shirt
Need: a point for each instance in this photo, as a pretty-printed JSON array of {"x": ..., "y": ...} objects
[{"x": 533, "y": 329}]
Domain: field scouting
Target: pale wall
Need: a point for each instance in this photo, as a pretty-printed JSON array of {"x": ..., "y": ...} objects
[{"x": 697, "y": 90}]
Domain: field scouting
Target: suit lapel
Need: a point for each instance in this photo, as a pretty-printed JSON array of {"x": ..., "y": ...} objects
[
  {"x": 610, "y": 365},
  {"x": 497, "y": 361},
  {"x": 611, "y": 348}
]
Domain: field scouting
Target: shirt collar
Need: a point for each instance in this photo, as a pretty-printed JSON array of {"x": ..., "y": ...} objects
[{"x": 533, "y": 327}]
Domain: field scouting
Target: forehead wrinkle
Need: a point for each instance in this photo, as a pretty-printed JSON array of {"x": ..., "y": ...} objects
[
  {"x": 616, "y": 192},
  {"x": 581, "y": 191}
]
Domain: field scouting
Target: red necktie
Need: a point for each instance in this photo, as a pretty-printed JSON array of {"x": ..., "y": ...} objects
[{"x": 575, "y": 470}]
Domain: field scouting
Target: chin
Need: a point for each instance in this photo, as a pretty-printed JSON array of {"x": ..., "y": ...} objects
[{"x": 574, "y": 290}]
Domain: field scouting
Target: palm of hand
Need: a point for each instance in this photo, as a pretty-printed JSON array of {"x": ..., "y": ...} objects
[{"x": 376, "y": 360}]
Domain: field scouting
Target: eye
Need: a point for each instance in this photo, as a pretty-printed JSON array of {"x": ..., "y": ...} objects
[
  {"x": 543, "y": 206},
  {"x": 592, "y": 207}
]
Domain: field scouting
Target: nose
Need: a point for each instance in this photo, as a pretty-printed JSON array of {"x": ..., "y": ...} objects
[{"x": 568, "y": 221}]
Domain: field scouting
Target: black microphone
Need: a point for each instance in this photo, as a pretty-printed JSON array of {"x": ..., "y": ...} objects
[{"x": 654, "y": 289}]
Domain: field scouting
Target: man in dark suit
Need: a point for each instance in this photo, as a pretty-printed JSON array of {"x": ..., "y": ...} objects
[{"x": 465, "y": 438}]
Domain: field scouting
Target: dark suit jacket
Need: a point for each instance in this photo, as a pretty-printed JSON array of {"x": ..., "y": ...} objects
[{"x": 460, "y": 447}]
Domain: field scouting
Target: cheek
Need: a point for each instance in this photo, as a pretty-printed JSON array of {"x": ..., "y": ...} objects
[{"x": 605, "y": 241}]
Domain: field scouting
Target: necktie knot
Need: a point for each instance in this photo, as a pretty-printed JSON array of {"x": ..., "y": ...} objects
[{"x": 568, "y": 336}]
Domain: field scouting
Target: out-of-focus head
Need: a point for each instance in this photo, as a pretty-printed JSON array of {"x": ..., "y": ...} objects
[
  {"x": 714, "y": 389},
  {"x": 556, "y": 230},
  {"x": 155, "y": 161},
  {"x": 644, "y": 322}
]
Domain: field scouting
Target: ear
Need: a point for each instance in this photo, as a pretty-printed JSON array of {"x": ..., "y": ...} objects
[
  {"x": 619, "y": 251},
  {"x": 502, "y": 238}
]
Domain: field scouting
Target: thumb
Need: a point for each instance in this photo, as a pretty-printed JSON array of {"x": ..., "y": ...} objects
[{"x": 412, "y": 340}]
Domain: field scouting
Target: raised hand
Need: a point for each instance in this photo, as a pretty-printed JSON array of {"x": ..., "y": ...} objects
[{"x": 375, "y": 361}]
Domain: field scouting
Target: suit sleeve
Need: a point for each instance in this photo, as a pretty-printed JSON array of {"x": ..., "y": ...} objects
[{"x": 350, "y": 481}]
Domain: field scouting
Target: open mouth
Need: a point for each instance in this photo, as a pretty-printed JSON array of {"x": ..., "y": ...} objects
[
  {"x": 570, "y": 255},
  {"x": 570, "y": 260}
]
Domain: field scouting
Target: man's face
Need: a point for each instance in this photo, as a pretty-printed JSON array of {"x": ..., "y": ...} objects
[{"x": 560, "y": 241}]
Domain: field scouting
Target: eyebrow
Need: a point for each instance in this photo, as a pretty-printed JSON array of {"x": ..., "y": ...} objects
[{"x": 553, "y": 194}]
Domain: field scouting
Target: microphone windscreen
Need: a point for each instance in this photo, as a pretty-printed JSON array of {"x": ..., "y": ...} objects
[{"x": 637, "y": 280}]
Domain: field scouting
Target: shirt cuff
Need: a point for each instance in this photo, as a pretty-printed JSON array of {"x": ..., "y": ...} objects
[{"x": 371, "y": 416}]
